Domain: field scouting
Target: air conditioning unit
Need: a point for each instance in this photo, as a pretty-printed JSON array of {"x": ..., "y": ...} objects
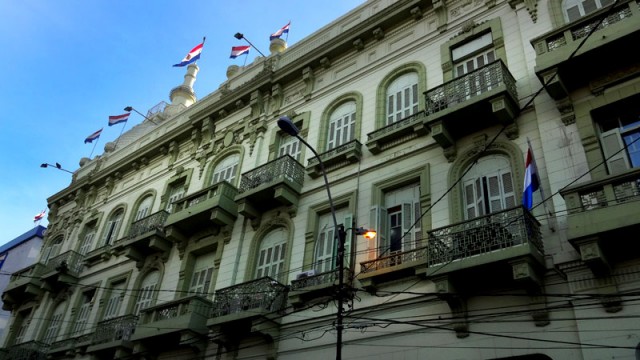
[{"x": 305, "y": 274}]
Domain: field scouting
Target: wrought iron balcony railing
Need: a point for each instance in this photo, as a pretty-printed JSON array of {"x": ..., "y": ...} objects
[
  {"x": 70, "y": 262},
  {"x": 282, "y": 168},
  {"x": 70, "y": 343},
  {"x": 482, "y": 235},
  {"x": 326, "y": 278},
  {"x": 188, "y": 306},
  {"x": 610, "y": 191},
  {"x": 264, "y": 294},
  {"x": 150, "y": 223},
  {"x": 394, "y": 259},
  {"x": 396, "y": 126},
  {"x": 353, "y": 145},
  {"x": 31, "y": 350},
  {"x": 116, "y": 329},
  {"x": 470, "y": 85}
]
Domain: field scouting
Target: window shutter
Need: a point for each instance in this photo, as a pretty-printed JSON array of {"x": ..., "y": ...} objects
[
  {"x": 417, "y": 220},
  {"x": 348, "y": 227},
  {"x": 113, "y": 303},
  {"x": 470, "y": 199},
  {"x": 407, "y": 227},
  {"x": 508, "y": 190},
  {"x": 87, "y": 243},
  {"x": 494, "y": 193},
  {"x": 612, "y": 143}
]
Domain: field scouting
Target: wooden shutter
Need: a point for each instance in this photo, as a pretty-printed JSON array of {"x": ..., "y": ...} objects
[
  {"x": 115, "y": 299},
  {"x": 348, "y": 226},
  {"x": 612, "y": 143}
]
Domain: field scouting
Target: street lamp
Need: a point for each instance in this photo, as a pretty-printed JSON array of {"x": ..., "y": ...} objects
[
  {"x": 240, "y": 36},
  {"x": 286, "y": 125},
  {"x": 130, "y": 108},
  {"x": 57, "y": 166}
]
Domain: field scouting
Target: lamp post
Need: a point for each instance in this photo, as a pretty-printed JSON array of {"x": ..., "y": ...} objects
[
  {"x": 57, "y": 166},
  {"x": 240, "y": 36},
  {"x": 130, "y": 108},
  {"x": 286, "y": 125}
]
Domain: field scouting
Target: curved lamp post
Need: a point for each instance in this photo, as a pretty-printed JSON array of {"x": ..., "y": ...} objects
[{"x": 286, "y": 125}]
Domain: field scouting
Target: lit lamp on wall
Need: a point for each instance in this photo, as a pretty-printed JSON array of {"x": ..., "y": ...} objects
[{"x": 286, "y": 125}]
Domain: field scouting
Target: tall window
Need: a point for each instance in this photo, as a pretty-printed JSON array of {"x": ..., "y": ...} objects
[
  {"x": 87, "y": 239},
  {"x": 226, "y": 170},
  {"x": 175, "y": 193},
  {"x": 55, "y": 322},
  {"x": 144, "y": 208},
  {"x": 52, "y": 250},
  {"x": 575, "y": 9},
  {"x": 326, "y": 247},
  {"x": 488, "y": 187},
  {"x": 114, "y": 299},
  {"x": 402, "y": 97},
  {"x": 342, "y": 124},
  {"x": 147, "y": 291},
  {"x": 397, "y": 220},
  {"x": 201, "y": 276},
  {"x": 86, "y": 304},
  {"x": 471, "y": 56},
  {"x": 619, "y": 133},
  {"x": 21, "y": 324},
  {"x": 112, "y": 228},
  {"x": 289, "y": 145},
  {"x": 271, "y": 254}
]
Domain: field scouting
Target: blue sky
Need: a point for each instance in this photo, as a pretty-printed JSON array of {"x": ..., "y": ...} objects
[{"x": 66, "y": 65}]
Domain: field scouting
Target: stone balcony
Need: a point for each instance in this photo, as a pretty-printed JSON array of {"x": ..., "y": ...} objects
[
  {"x": 618, "y": 32},
  {"x": 62, "y": 270},
  {"x": 112, "y": 338},
  {"x": 603, "y": 219},
  {"x": 144, "y": 237},
  {"x": 276, "y": 183},
  {"x": 24, "y": 285},
  {"x": 31, "y": 350},
  {"x": 470, "y": 103},
  {"x": 400, "y": 131},
  {"x": 335, "y": 158},
  {"x": 69, "y": 346}
]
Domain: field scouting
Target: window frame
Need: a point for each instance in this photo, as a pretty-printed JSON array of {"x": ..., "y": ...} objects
[{"x": 265, "y": 228}]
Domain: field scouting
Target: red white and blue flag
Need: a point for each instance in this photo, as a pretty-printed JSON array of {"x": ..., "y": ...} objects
[
  {"x": 192, "y": 56},
  {"x": 283, "y": 30},
  {"x": 93, "y": 136},
  {"x": 39, "y": 216},
  {"x": 531, "y": 180},
  {"x": 117, "y": 119},
  {"x": 239, "y": 50}
]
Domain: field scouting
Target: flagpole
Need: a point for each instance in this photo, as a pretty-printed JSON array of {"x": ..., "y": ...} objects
[
  {"x": 287, "y": 39},
  {"x": 246, "y": 55},
  {"x": 94, "y": 147},
  {"x": 121, "y": 131}
]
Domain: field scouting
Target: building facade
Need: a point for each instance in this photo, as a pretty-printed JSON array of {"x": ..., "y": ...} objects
[
  {"x": 15, "y": 256},
  {"x": 208, "y": 233}
]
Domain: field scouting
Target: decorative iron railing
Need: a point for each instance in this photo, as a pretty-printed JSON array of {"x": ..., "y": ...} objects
[
  {"x": 70, "y": 342},
  {"x": 470, "y": 85},
  {"x": 284, "y": 167},
  {"x": 31, "y": 350},
  {"x": 264, "y": 294},
  {"x": 350, "y": 146},
  {"x": 195, "y": 305},
  {"x": 612, "y": 190},
  {"x": 580, "y": 28},
  {"x": 326, "y": 278},
  {"x": 116, "y": 329},
  {"x": 496, "y": 231},
  {"x": 394, "y": 259},
  {"x": 70, "y": 262},
  {"x": 150, "y": 223},
  {"x": 28, "y": 273},
  {"x": 392, "y": 128},
  {"x": 221, "y": 189}
]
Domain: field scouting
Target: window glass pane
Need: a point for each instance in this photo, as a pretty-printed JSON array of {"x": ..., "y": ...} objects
[
  {"x": 633, "y": 147},
  {"x": 573, "y": 13},
  {"x": 589, "y": 6}
]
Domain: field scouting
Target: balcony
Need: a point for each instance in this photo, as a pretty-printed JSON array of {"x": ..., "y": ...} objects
[
  {"x": 280, "y": 180},
  {"x": 95, "y": 256},
  {"x": 112, "y": 338},
  {"x": 335, "y": 158},
  {"x": 164, "y": 326},
  {"x": 253, "y": 306},
  {"x": 69, "y": 346},
  {"x": 400, "y": 131},
  {"x": 473, "y": 102},
  {"x": 211, "y": 206},
  {"x": 62, "y": 270},
  {"x": 389, "y": 267},
  {"x": 603, "y": 218},
  {"x": 31, "y": 350},
  {"x": 23, "y": 285},
  {"x": 604, "y": 55},
  {"x": 145, "y": 236},
  {"x": 306, "y": 289}
]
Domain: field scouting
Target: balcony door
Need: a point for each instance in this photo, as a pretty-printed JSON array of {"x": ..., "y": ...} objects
[{"x": 488, "y": 187}]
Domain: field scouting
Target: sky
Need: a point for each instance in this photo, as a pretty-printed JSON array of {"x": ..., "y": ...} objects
[{"x": 67, "y": 65}]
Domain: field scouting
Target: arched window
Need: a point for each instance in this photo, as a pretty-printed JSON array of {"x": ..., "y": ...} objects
[
  {"x": 52, "y": 249},
  {"x": 342, "y": 125},
  {"x": 271, "y": 254},
  {"x": 326, "y": 248},
  {"x": 112, "y": 227},
  {"x": 575, "y": 9},
  {"x": 147, "y": 291},
  {"x": 226, "y": 170},
  {"x": 144, "y": 208},
  {"x": 488, "y": 187},
  {"x": 55, "y": 322},
  {"x": 402, "y": 97}
]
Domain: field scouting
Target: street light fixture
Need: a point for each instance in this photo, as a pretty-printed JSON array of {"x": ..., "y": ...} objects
[
  {"x": 57, "y": 166},
  {"x": 286, "y": 125},
  {"x": 240, "y": 36}
]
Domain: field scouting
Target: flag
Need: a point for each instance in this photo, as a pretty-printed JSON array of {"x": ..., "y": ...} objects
[
  {"x": 39, "y": 216},
  {"x": 531, "y": 180},
  {"x": 117, "y": 119},
  {"x": 277, "y": 34},
  {"x": 192, "y": 56},
  {"x": 239, "y": 50},
  {"x": 93, "y": 136},
  {"x": 3, "y": 257}
]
